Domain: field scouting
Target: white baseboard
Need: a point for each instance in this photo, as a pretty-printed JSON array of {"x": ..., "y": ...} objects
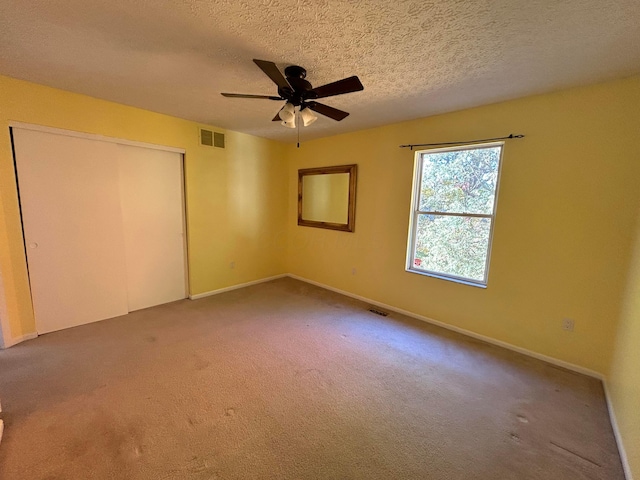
[
  {"x": 616, "y": 433},
  {"x": 469, "y": 333},
  {"x": 235, "y": 287},
  {"x": 10, "y": 342}
]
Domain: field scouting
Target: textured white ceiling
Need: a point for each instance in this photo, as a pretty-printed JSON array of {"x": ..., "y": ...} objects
[{"x": 415, "y": 58}]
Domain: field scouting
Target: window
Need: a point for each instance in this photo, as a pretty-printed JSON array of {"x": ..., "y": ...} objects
[{"x": 453, "y": 208}]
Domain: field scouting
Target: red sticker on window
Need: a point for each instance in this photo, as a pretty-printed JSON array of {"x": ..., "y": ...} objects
[{"x": 417, "y": 262}]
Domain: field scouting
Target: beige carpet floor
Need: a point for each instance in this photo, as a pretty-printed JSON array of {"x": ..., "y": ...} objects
[{"x": 285, "y": 380}]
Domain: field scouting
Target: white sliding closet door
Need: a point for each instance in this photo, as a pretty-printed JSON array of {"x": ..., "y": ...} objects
[
  {"x": 70, "y": 200},
  {"x": 153, "y": 220}
]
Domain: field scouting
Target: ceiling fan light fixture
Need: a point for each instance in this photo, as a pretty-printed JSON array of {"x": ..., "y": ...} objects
[
  {"x": 307, "y": 117},
  {"x": 288, "y": 113},
  {"x": 290, "y": 124}
]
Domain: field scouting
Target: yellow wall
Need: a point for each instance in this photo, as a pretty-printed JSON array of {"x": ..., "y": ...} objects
[
  {"x": 563, "y": 232},
  {"x": 624, "y": 380},
  {"x": 563, "y": 239},
  {"x": 236, "y": 197}
]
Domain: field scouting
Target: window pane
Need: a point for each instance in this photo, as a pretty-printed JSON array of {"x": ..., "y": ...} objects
[
  {"x": 462, "y": 181},
  {"x": 452, "y": 245}
]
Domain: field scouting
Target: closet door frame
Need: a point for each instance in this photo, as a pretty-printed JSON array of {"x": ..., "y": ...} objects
[
  {"x": 5, "y": 332},
  {"x": 92, "y": 136},
  {"x": 4, "y": 321}
]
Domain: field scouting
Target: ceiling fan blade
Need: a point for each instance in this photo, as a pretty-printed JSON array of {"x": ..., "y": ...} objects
[
  {"x": 346, "y": 85},
  {"x": 277, "y": 118},
  {"x": 273, "y": 73},
  {"x": 242, "y": 95},
  {"x": 328, "y": 111}
]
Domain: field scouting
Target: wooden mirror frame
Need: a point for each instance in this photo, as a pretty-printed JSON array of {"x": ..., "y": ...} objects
[{"x": 351, "y": 212}]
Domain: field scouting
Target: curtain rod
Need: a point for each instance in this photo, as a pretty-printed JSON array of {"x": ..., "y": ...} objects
[{"x": 510, "y": 137}]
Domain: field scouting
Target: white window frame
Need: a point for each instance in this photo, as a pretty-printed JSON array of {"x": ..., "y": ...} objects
[{"x": 416, "y": 212}]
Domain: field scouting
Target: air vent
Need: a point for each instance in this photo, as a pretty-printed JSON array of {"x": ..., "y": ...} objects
[
  {"x": 211, "y": 139},
  {"x": 378, "y": 312},
  {"x": 206, "y": 137},
  {"x": 218, "y": 139}
]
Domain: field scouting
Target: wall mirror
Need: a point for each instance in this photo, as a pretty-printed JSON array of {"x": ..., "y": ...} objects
[{"x": 327, "y": 197}]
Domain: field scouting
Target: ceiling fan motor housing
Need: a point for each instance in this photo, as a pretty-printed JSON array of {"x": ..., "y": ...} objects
[{"x": 300, "y": 90}]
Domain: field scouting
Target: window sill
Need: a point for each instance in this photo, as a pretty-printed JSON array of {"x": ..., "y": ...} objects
[{"x": 447, "y": 278}]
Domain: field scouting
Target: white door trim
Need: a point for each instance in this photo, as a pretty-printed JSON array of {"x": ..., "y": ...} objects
[
  {"x": 5, "y": 331},
  {"x": 92, "y": 136}
]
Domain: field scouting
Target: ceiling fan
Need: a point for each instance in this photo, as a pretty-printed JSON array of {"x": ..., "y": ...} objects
[{"x": 300, "y": 94}]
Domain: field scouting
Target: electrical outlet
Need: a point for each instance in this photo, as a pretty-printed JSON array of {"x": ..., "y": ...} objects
[
  {"x": 568, "y": 324},
  {"x": 232, "y": 265}
]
